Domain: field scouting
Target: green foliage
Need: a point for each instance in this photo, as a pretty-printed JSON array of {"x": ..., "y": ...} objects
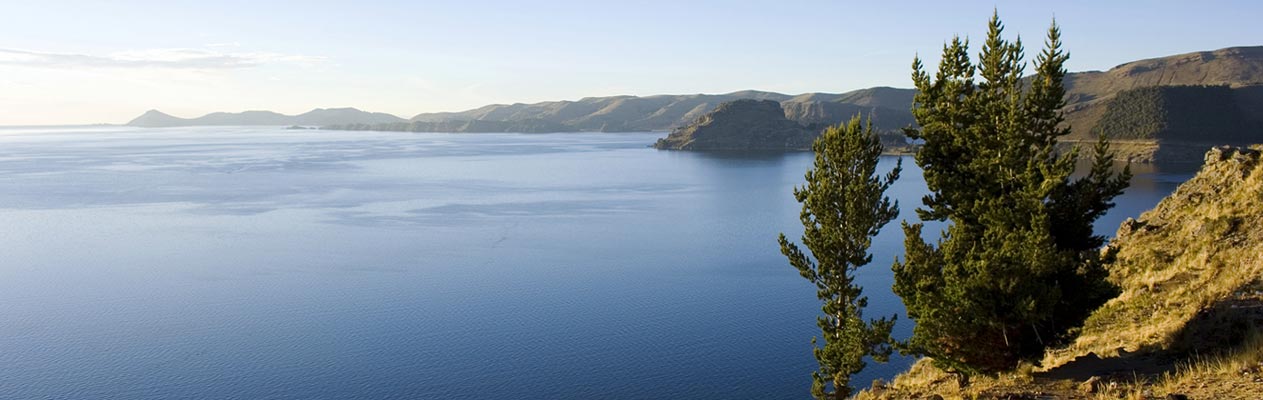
[
  {"x": 844, "y": 206},
  {"x": 1018, "y": 267},
  {"x": 1193, "y": 113}
]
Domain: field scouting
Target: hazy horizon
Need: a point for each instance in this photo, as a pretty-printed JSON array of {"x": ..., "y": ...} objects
[{"x": 86, "y": 63}]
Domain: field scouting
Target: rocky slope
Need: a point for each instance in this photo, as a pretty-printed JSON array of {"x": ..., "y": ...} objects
[
  {"x": 741, "y": 125},
  {"x": 1189, "y": 321}
]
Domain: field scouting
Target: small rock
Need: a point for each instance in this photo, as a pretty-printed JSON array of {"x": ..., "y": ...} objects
[
  {"x": 1128, "y": 226},
  {"x": 1091, "y": 386},
  {"x": 1217, "y": 154}
]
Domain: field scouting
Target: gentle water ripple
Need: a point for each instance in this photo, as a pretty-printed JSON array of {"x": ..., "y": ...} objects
[{"x": 239, "y": 262}]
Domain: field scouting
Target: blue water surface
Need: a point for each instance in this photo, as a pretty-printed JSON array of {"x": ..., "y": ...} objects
[{"x": 247, "y": 262}]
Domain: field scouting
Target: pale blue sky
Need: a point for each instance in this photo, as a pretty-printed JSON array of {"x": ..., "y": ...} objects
[{"x": 95, "y": 61}]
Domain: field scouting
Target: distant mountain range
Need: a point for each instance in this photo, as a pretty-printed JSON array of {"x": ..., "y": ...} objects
[
  {"x": 1091, "y": 97},
  {"x": 595, "y": 114},
  {"x": 652, "y": 113},
  {"x": 317, "y": 117}
]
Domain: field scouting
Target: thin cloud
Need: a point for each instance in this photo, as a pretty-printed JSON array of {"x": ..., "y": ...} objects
[{"x": 202, "y": 59}]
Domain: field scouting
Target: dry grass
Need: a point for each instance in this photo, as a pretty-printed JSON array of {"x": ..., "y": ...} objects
[
  {"x": 1199, "y": 247},
  {"x": 1236, "y": 374},
  {"x": 923, "y": 381}
]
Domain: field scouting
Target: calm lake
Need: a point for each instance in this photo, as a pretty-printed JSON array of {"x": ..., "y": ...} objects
[{"x": 244, "y": 262}]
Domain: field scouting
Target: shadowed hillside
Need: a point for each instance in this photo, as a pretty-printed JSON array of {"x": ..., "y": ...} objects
[
  {"x": 1239, "y": 68},
  {"x": 1206, "y": 113}
]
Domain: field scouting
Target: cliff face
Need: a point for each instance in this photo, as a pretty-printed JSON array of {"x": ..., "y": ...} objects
[{"x": 741, "y": 125}]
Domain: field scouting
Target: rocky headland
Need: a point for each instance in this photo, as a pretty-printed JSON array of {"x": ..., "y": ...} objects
[{"x": 741, "y": 125}]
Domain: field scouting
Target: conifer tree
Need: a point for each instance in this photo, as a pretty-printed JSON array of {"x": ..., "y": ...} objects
[
  {"x": 843, "y": 207},
  {"x": 1018, "y": 268}
]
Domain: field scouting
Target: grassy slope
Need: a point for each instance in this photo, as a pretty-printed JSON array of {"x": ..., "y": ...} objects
[{"x": 1188, "y": 320}]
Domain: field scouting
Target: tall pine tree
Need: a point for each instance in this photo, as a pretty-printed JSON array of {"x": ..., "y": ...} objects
[
  {"x": 843, "y": 207},
  {"x": 1018, "y": 267}
]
